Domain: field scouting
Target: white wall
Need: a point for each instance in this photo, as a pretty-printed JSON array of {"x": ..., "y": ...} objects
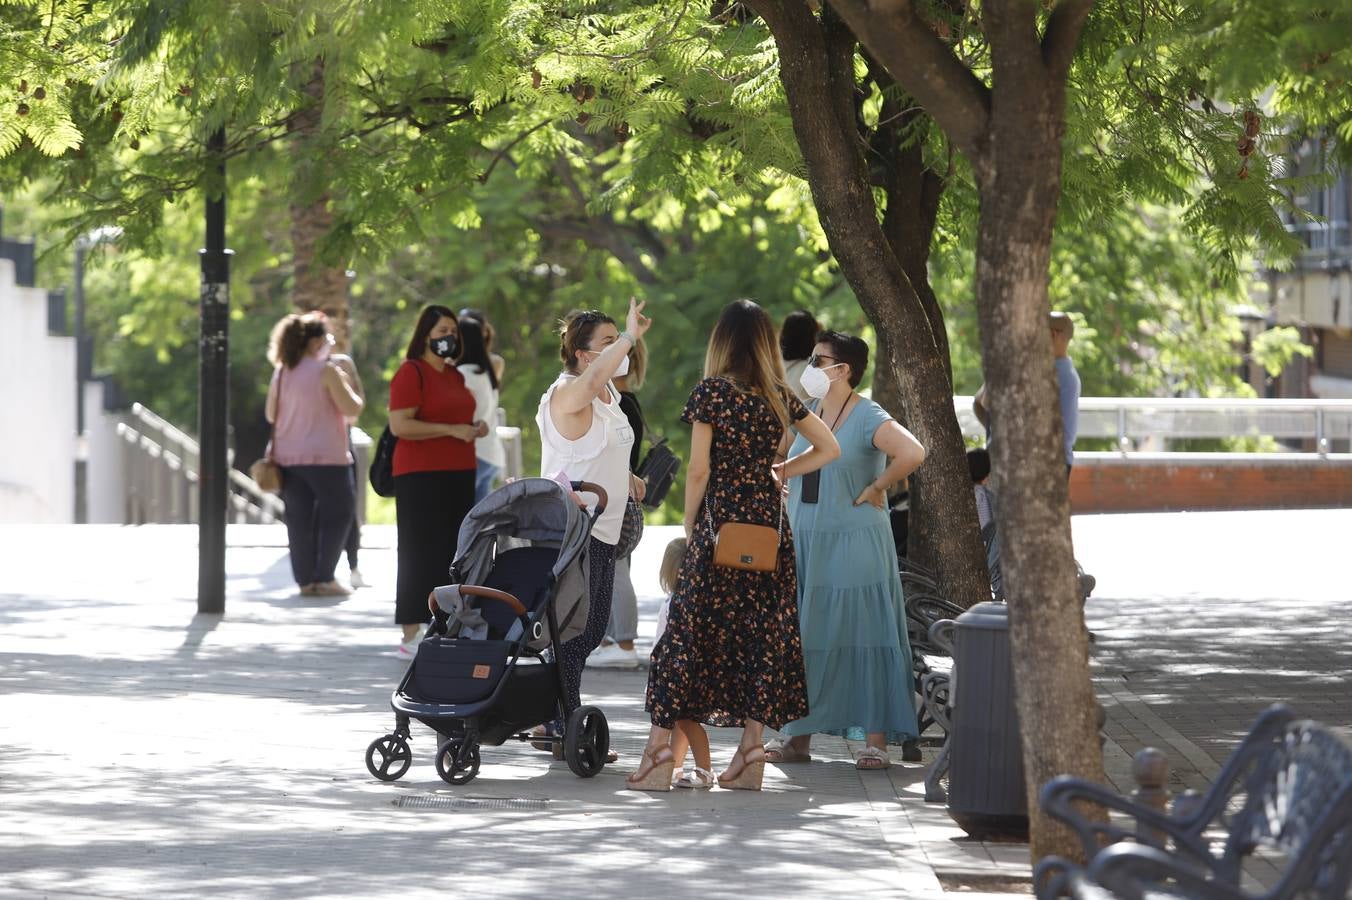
[
  {"x": 37, "y": 409},
  {"x": 106, "y": 472}
]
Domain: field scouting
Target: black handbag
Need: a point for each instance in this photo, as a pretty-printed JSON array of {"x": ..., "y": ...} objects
[
  {"x": 381, "y": 473},
  {"x": 658, "y": 471}
]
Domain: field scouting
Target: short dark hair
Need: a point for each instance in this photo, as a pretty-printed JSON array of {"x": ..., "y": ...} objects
[
  {"x": 427, "y": 320},
  {"x": 847, "y": 349},
  {"x": 798, "y": 334},
  {"x": 979, "y": 464}
]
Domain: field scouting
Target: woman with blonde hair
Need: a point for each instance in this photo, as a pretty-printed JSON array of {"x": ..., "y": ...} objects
[
  {"x": 309, "y": 398},
  {"x": 731, "y": 655}
]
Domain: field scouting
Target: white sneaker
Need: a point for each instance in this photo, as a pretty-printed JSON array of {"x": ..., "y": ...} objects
[
  {"x": 409, "y": 648},
  {"x": 355, "y": 579},
  {"x": 613, "y": 656}
]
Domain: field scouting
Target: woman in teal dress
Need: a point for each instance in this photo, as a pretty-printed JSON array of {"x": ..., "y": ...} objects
[{"x": 850, "y": 607}]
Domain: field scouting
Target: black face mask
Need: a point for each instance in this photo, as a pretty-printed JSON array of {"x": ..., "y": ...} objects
[{"x": 445, "y": 347}]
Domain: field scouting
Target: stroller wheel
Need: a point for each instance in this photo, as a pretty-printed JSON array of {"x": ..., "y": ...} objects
[
  {"x": 388, "y": 757},
  {"x": 456, "y": 762},
  {"x": 586, "y": 741}
]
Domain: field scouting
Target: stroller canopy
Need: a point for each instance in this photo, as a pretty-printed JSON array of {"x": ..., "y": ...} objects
[{"x": 531, "y": 512}]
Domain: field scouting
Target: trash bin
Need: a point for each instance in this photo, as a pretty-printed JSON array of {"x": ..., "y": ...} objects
[{"x": 986, "y": 793}]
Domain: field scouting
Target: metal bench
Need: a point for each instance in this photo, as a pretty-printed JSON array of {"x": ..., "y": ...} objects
[{"x": 1287, "y": 790}]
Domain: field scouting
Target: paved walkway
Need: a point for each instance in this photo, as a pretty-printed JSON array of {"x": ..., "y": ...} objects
[{"x": 148, "y": 751}]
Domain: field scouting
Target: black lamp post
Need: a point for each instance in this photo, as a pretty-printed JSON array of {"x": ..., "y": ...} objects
[{"x": 213, "y": 404}]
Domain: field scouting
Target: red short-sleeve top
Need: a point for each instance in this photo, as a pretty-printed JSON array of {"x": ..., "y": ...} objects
[{"x": 439, "y": 397}]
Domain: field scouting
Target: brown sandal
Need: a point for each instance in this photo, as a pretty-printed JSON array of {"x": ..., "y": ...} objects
[
  {"x": 657, "y": 777},
  {"x": 749, "y": 774}
]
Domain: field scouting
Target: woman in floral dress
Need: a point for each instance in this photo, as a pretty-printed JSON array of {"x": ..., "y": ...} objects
[{"x": 731, "y": 655}]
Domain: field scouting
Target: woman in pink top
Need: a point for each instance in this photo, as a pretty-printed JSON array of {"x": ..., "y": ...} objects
[{"x": 308, "y": 400}]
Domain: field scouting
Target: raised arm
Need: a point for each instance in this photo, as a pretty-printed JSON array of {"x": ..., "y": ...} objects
[{"x": 572, "y": 398}]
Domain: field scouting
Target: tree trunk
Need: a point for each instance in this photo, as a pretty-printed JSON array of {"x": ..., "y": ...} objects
[
  {"x": 913, "y": 194},
  {"x": 317, "y": 282},
  {"x": 1054, "y": 692},
  {"x": 817, "y": 69}
]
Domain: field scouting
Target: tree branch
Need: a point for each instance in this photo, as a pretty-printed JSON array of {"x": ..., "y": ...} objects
[
  {"x": 1063, "y": 36},
  {"x": 602, "y": 233},
  {"x": 925, "y": 66}
]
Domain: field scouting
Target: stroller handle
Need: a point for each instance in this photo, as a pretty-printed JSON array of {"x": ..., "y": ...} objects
[
  {"x": 591, "y": 487},
  {"x": 474, "y": 590}
]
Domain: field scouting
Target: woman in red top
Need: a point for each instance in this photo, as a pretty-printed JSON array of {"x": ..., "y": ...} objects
[{"x": 431, "y": 412}]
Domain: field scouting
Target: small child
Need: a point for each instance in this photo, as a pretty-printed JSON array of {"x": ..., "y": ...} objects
[{"x": 688, "y": 735}]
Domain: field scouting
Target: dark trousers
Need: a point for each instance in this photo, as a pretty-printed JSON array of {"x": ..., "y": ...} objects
[
  {"x": 572, "y": 656},
  {"x": 353, "y": 543},
  {"x": 430, "y": 507},
  {"x": 319, "y": 507}
]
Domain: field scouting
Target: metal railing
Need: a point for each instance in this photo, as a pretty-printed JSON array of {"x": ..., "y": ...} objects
[
  {"x": 160, "y": 472},
  {"x": 161, "y": 465},
  {"x": 1135, "y": 421}
]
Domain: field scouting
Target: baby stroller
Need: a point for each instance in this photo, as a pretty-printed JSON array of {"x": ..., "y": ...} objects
[{"x": 482, "y": 675}]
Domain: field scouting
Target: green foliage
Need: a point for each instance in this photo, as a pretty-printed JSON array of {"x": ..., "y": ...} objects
[
  {"x": 1275, "y": 348},
  {"x": 528, "y": 158},
  {"x": 1151, "y": 316}
]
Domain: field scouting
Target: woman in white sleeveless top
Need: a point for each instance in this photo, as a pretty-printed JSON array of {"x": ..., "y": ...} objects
[{"x": 585, "y": 436}]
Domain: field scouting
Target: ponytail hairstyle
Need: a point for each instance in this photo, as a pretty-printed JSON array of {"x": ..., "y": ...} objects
[
  {"x": 575, "y": 333},
  {"x": 291, "y": 335},
  {"x": 743, "y": 348},
  {"x": 638, "y": 365}
]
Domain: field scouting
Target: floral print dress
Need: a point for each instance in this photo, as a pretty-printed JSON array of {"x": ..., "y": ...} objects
[{"x": 731, "y": 650}]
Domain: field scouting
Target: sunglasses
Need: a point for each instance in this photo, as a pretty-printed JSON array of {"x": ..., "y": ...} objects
[{"x": 815, "y": 361}]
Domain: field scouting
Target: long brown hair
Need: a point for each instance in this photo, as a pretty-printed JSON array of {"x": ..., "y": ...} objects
[
  {"x": 743, "y": 348},
  {"x": 427, "y": 320},
  {"x": 291, "y": 335}
]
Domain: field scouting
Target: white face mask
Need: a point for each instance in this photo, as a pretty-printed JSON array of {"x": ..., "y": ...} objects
[
  {"x": 816, "y": 382},
  {"x": 623, "y": 369}
]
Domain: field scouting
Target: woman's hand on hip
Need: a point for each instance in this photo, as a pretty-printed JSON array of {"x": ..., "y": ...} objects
[
  {"x": 872, "y": 494},
  {"x": 637, "y": 487}
]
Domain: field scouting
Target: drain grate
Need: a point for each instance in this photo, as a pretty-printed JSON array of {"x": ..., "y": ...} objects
[{"x": 439, "y": 801}]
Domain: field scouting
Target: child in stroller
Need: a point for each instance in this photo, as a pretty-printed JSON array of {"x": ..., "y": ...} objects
[{"x": 485, "y": 673}]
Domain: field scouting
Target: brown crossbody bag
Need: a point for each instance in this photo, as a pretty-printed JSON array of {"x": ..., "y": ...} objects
[{"x": 739, "y": 545}]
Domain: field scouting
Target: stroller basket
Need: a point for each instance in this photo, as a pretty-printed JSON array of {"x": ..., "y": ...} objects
[{"x": 451, "y": 670}]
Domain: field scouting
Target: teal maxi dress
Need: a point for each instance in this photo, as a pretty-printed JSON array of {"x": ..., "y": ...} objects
[{"x": 850, "y": 607}]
